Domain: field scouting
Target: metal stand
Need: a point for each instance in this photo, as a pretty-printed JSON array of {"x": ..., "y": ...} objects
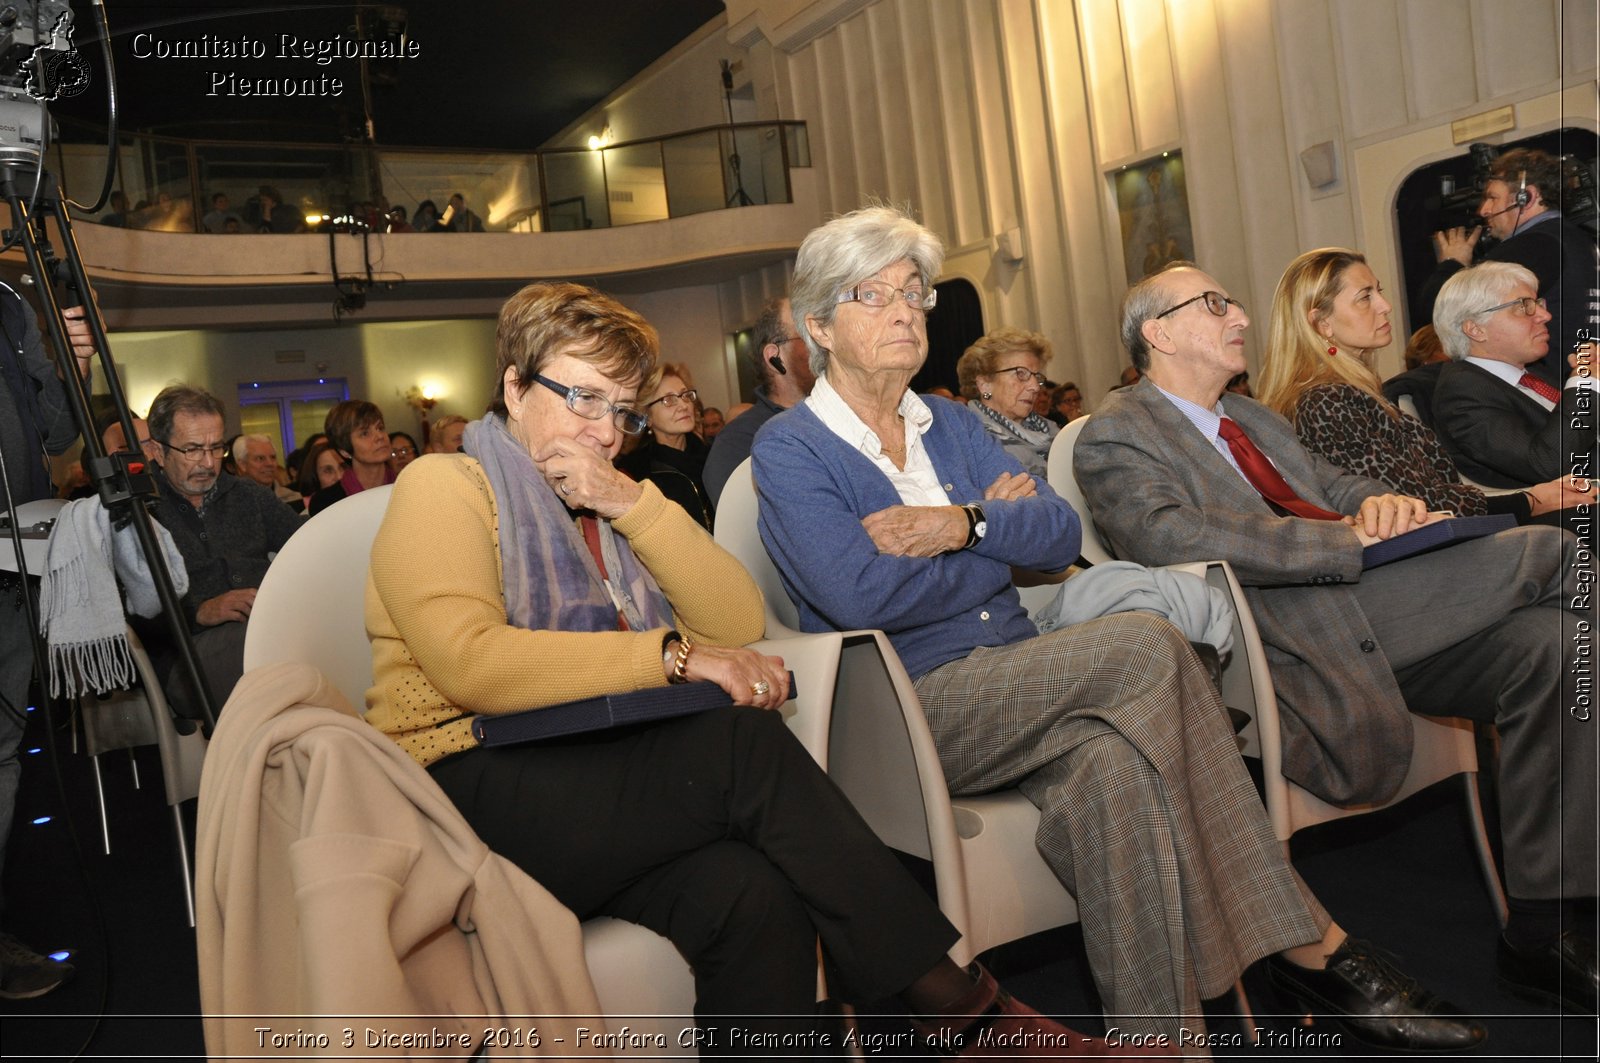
[
  {"x": 124, "y": 484},
  {"x": 739, "y": 198}
]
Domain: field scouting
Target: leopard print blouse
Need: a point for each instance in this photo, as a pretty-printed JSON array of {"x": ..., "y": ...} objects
[{"x": 1354, "y": 431}]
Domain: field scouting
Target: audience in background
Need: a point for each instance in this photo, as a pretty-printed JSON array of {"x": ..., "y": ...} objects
[
  {"x": 217, "y": 218},
  {"x": 1066, "y": 404},
  {"x": 445, "y": 436},
  {"x": 1001, "y": 377},
  {"x": 225, "y": 527},
  {"x": 673, "y": 458},
  {"x": 711, "y": 422},
  {"x": 402, "y": 451},
  {"x": 321, "y": 468},
  {"x": 257, "y": 460},
  {"x": 356, "y": 430},
  {"x": 783, "y": 368}
]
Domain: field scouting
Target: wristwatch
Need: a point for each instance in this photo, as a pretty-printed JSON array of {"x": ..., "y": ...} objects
[{"x": 977, "y": 526}]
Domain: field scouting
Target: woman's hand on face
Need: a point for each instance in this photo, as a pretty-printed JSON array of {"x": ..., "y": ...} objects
[
  {"x": 917, "y": 531},
  {"x": 585, "y": 479},
  {"x": 1009, "y": 486},
  {"x": 740, "y": 672}
]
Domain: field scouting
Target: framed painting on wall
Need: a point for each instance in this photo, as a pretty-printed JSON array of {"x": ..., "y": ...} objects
[{"x": 1153, "y": 207}]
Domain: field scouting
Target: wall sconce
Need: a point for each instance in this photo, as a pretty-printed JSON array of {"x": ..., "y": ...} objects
[
  {"x": 422, "y": 398},
  {"x": 601, "y": 141}
]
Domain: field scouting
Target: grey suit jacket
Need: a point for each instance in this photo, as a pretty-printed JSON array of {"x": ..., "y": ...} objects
[
  {"x": 1161, "y": 494},
  {"x": 1498, "y": 436}
]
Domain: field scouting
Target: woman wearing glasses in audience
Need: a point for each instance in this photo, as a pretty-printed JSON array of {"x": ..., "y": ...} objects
[
  {"x": 356, "y": 430},
  {"x": 553, "y": 576},
  {"x": 1001, "y": 376},
  {"x": 1330, "y": 317},
  {"x": 885, "y": 510},
  {"x": 674, "y": 457}
]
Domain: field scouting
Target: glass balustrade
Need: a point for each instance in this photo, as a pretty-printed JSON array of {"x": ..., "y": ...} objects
[{"x": 169, "y": 185}]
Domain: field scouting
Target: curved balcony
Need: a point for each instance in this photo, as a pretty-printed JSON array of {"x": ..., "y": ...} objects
[{"x": 641, "y": 215}]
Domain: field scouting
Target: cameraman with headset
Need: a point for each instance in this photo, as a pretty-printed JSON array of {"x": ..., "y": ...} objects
[
  {"x": 35, "y": 421},
  {"x": 1529, "y": 228}
]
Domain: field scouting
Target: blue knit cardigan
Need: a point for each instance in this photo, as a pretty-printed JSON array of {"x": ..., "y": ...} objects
[{"x": 814, "y": 489}]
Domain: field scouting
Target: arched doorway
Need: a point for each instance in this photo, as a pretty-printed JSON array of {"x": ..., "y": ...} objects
[{"x": 953, "y": 325}]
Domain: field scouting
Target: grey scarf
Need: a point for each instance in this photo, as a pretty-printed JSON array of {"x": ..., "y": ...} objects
[{"x": 551, "y": 581}]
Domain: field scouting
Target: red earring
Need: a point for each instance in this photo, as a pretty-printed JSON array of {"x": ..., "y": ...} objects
[{"x": 1332, "y": 350}]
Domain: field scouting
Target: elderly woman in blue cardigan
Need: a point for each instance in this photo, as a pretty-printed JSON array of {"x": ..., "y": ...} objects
[{"x": 883, "y": 509}]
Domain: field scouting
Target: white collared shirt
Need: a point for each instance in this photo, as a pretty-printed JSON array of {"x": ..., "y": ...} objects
[
  {"x": 1209, "y": 423},
  {"x": 1511, "y": 375},
  {"x": 918, "y": 483}
]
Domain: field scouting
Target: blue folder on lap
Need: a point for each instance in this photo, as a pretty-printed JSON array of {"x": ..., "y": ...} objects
[
  {"x": 598, "y": 714},
  {"x": 1435, "y": 536}
]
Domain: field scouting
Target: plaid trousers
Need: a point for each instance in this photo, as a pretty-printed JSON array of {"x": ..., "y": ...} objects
[{"x": 1115, "y": 731}]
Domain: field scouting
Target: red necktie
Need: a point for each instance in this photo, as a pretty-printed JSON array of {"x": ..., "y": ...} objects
[
  {"x": 1265, "y": 478},
  {"x": 1541, "y": 388}
]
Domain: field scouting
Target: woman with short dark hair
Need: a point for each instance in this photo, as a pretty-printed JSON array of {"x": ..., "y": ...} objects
[{"x": 356, "y": 430}]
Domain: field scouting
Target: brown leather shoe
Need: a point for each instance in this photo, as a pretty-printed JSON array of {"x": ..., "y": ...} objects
[{"x": 989, "y": 1023}]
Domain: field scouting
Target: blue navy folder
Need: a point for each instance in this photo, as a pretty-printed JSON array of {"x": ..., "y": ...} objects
[
  {"x": 598, "y": 714},
  {"x": 1435, "y": 536}
]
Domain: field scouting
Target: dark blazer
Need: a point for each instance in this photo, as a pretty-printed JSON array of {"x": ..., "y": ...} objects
[
  {"x": 1161, "y": 494},
  {"x": 1498, "y": 436}
]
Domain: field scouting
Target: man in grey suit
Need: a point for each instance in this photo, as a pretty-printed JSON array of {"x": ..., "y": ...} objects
[{"x": 1476, "y": 630}]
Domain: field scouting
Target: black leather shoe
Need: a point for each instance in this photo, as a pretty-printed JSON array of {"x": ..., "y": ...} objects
[
  {"x": 1377, "y": 1003},
  {"x": 1564, "y": 973}
]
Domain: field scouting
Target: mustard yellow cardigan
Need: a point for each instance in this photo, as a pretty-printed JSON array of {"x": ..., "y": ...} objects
[{"x": 442, "y": 649}]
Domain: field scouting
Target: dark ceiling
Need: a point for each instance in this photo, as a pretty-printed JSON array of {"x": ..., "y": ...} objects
[{"x": 504, "y": 74}]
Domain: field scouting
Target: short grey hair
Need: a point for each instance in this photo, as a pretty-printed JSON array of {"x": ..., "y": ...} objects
[
  {"x": 1469, "y": 293},
  {"x": 175, "y": 399},
  {"x": 848, "y": 250},
  {"x": 241, "y": 446},
  {"x": 1143, "y": 302}
]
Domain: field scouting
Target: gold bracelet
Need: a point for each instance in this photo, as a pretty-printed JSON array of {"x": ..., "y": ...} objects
[{"x": 681, "y": 661}]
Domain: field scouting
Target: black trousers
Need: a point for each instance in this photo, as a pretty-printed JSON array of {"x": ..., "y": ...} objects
[{"x": 719, "y": 832}]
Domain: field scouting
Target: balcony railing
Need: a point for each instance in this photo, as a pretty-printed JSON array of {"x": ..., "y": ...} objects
[{"x": 169, "y": 183}]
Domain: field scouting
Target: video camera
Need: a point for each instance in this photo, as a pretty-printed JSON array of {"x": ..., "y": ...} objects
[
  {"x": 1460, "y": 193},
  {"x": 38, "y": 63}
]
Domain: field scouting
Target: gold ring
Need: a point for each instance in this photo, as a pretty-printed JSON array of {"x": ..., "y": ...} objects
[{"x": 760, "y": 689}]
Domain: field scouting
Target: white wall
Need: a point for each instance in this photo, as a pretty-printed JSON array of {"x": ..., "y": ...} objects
[{"x": 993, "y": 115}]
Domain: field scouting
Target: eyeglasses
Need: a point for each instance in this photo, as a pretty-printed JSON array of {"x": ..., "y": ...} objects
[
  {"x": 1022, "y": 373},
  {"x": 1527, "y": 306},
  {"x": 1215, "y": 302},
  {"x": 672, "y": 398},
  {"x": 876, "y": 295},
  {"x": 197, "y": 450},
  {"x": 402, "y": 452},
  {"x": 594, "y": 406}
]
